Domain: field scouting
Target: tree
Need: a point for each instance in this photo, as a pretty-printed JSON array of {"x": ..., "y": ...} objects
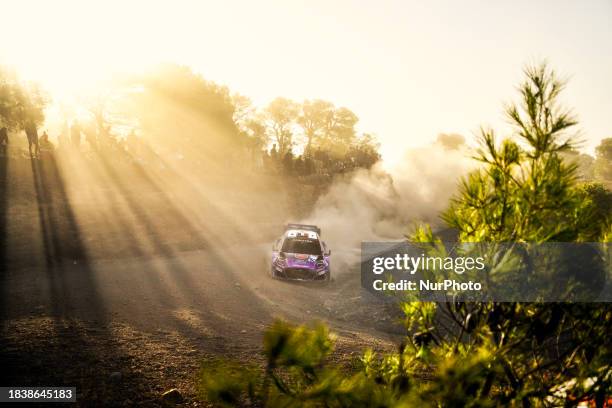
[
  {"x": 364, "y": 151},
  {"x": 281, "y": 115},
  {"x": 20, "y": 103},
  {"x": 525, "y": 192},
  {"x": 243, "y": 108},
  {"x": 598, "y": 198},
  {"x": 584, "y": 164},
  {"x": 250, "y": 122},
  {"x": 603, "y": 161},
  {"x": 520, "y": 185},
  {"x": 185, "y": 114},
  {"x": 97, "y": 105},
  {"x": 314, "y": 119},
  {"x": 339, "y": 132}
]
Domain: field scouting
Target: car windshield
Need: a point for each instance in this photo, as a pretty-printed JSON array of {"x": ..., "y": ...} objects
[{"x": 302, "y": 246}]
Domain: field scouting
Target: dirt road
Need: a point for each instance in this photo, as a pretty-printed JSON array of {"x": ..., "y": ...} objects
[
  {"x": 198, "y": 291},
  {"x": 123, "y": 331},
  {"x": 123, "y": 282}
]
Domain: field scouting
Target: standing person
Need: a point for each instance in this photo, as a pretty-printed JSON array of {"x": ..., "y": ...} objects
[
  {"x": 45, "y": 144},
  {"x": 308, "y": 165},
  {"x": 3, "y": 140},
  {"x": 32, "y": 134},
  {"x": 288, "y": 162},
  {"x": 75, "y": 134}
]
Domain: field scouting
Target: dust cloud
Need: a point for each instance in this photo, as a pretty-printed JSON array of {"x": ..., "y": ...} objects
[{"x": 385, "y": 204}]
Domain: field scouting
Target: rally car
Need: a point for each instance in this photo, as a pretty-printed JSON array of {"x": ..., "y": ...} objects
[{"x": 300, "y": 254}]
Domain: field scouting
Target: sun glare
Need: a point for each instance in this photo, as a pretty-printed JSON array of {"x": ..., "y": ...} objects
[{"x": 415, "y": 62}]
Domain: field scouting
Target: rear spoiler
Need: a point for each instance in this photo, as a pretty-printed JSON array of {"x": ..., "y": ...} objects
[{"x": 304, "y": 227}]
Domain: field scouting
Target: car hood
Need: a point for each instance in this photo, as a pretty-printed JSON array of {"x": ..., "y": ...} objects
[{"x": 301, "y": 261}]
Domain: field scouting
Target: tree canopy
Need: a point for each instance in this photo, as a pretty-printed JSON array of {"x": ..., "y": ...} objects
[
  {"x": 20, "y": 103},
  {"x": 280, "y": 117},
  {"x": 603, "y": 161},
  {"x": 185, "y": 113}
]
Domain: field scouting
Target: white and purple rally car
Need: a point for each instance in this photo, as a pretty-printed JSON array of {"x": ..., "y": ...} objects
[{"x": 300, "y": 254}]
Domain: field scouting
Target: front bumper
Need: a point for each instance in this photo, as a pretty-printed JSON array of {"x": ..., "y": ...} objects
[{"x": 299, "y": 274}]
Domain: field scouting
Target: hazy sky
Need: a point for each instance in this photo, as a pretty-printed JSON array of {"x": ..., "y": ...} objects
[{"x": 410, "y": 70}]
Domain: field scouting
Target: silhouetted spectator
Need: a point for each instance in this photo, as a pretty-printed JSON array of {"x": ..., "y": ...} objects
[
  {"x": 274, "y": 153},
  {"x": 75, "y": 134},
  {"x": 44, "y": 141},
  {"x": 32, "y": 135},
  {"x": 3, "y": 140},
  {"x": 288, "y": 162},
  {"x": 308, "y": 165},
  {"x": 46, "y": 147}
]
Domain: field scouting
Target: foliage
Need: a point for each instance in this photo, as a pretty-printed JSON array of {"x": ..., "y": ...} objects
[
  {"x": 339, "y": 132},
  {"x": 184, "y": 113},
  {"x": 296, "y": 375},
  {"x": 536, "y": 353},
  {"x": 19, "y": 103},
  {"x": 598, "y": 199},
  {"x": 364, "y": 151},
  {"x": 603, "y": 162},
  {"x": 250, "y": 122},
  {"x": 324, "y": 133},
  {"x": 585, "y": 164},
  {"x": 327, "y": 127},
  {"x": 523, "y": 193},
  {"x": 281, "y": 114},
  {"x": 314, "y": 119},
  {"x": 478, "y": 354}
]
